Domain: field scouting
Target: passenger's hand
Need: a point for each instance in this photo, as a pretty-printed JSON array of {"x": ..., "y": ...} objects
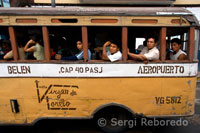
[
  {"x": 58, "y": 56},
  {"x": 31, "y": 42},
  {"x": 128, "y": 51},
  {"x": 107, "y": 43},
  {"x": 146, "y": 61},
  {"x": 98, "y": 49}
]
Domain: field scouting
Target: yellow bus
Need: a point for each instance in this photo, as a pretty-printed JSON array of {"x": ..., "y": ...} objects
[{"x": 32, "y": 90}]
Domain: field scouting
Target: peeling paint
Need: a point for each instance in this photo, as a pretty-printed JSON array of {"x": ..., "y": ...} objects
[
  {"x": 190, "y": 104},
  {"x": 174, "y": 97},
  {"x": 183, "y": 107},
  {"x": 189, "y": 82}
]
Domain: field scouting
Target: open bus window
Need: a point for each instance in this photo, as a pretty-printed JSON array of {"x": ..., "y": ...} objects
[
  {"x": 137, "y": 39},
  {"x": 177, "y": 43},
  {"x": 98, "y": 36},
  {"x": 30, "y": 43},
  {"x": 66, "y": 43},
  {"x": 140, "y": 44},
  {"x": 5, "y": 45}
]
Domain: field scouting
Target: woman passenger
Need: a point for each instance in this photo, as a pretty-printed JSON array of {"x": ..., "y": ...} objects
[{"x": 34, "y": 47}]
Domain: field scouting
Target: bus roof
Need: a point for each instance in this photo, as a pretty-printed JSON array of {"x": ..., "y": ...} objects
[{"x": 102, "y": 11}]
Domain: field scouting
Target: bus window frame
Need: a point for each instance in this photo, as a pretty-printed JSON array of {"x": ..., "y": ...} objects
[
  {"x": 45, "y": 33},
  {"x": 14, "y": 44},
  {"x": 191, "y": 44},
  {"x": 190, "y": 47},
  {"x": 163, "y": 33},
  {"x": 124, "y": 44},
  {"x": 84, "y": 29}
]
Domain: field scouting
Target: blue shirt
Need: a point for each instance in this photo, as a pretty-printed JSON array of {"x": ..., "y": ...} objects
[{"x": 79, "y": 56}]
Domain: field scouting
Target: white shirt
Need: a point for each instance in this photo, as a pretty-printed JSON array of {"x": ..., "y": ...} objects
[
  {"x": 38, "y": 52},
  {"x": 114, "y": 57},
  {"x": 152, "y": 54},
  {"x": 175, "y": 56}
]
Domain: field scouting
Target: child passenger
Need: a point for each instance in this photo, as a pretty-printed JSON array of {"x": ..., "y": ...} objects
[
  {"x": 113, "y": 53},
  {"x": 78, "y": 56}
]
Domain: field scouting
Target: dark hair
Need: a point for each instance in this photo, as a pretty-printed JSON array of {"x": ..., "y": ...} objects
[
  {"x": 145, "y": 43},
  {"x": 176, "y": 40},
  {"x": 155, "y": 38},
  {"x": 116, "y": 42},
  {"x": 7, "y": 42},
  {"x": 35, "y": 38}
]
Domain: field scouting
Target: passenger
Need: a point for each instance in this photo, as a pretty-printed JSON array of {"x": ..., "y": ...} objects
[
  {"x": 140, "y": 48},
  {"x": 59, "y": 50},
  {"x": 6, "y": 47},
  {"x": 113, "y": 53},
  {"x": 148, "y": 53},
  {"x": 168, "y": 50},
  {"x": 1, "y": 50},
  {"x": 177, "y": 53},
  {"x": 21, "y": 52},
  {"x": 34, "y": 47},
  {"x": 78, "y": 56}
]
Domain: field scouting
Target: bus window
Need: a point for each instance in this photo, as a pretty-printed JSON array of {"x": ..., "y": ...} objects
[
  {"x": 140, "y": 44},
  {"x": 30, "y": 43},
  {"x": 177, "y": 43},
  {"x": 5, "y": 45},
  {"x": 137, "y": 38},
  {"x": 64, "y": 41},
  {"x": 98, "y": 36}
]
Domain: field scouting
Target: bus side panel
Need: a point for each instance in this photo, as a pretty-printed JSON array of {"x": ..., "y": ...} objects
[
  {"x": 11, "y": 90},
  {"x": 80, "y": 97},
  {"x": 179, "y": 96}
]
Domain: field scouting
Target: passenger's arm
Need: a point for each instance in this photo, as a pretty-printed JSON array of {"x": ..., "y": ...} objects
[
  {"x": 137, "y": 56},
  {"x": 182, "y": 57},
  {"x": 31, "y": 49},
  {"x": 104, "y": 54},
  {"x": 99, "y": 51},
  {"x": 9, "y": 55}
]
